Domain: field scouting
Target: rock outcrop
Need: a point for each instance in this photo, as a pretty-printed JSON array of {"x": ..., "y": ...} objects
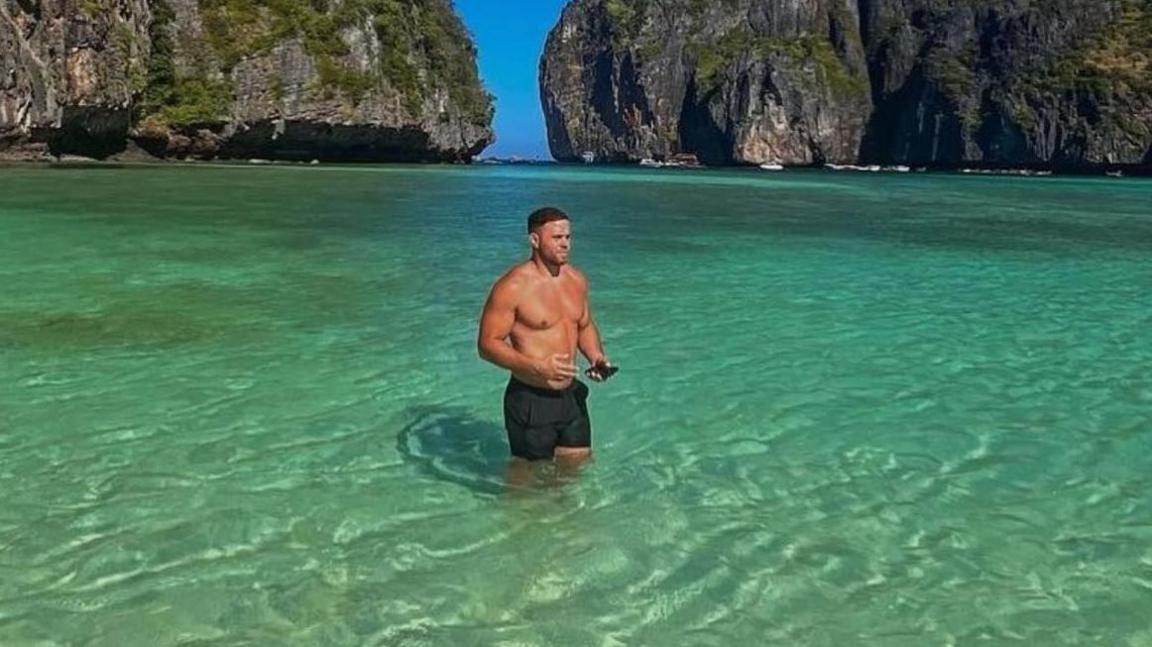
[
  {"x": 738, "y": 81},
  {"x": 1063, "y": 84},
  {"x": 1057, "y": 84},
  {"x": 339, "y": 80},
  {"x": 67, "y": 73}
]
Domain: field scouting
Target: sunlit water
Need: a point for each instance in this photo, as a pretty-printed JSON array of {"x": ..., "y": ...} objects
[{"x": 242, "y": 406}]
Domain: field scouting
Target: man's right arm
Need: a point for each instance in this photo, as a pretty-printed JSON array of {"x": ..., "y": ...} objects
[{"x": 496, "y": 325}]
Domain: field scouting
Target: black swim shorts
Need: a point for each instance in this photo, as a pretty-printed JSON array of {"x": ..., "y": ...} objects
[{"x": 539, "y": 420}]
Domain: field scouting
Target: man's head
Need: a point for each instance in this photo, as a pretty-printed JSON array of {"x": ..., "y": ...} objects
[{"x": 550, "y": 234}]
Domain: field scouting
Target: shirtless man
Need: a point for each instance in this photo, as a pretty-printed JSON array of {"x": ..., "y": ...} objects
[{"x": 535, "y": 319}]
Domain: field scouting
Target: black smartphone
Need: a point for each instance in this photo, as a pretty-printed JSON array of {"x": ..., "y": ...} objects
[{"x": 604, "y": 371}]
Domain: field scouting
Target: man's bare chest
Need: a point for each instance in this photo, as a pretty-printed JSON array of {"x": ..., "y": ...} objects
[{"x": 545, "y": 306}]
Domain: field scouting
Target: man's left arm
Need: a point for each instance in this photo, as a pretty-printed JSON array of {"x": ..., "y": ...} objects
[{"x": 588, "y": 339}]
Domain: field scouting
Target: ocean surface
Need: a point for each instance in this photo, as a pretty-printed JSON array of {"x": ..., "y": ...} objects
[{"x": 243, "y": 406}]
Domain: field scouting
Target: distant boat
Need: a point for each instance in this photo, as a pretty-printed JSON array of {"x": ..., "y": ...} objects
[
  {"x": 588, "y": 157},
  {"x": 772, "y": 166},
  {"x": 871, "y": 168},
  {"x": 1115, "y": 173},
  {"x": 648, "y": 161},
  {"x": 1023, "y": 172},
  {"x": 683, "y": 160}
]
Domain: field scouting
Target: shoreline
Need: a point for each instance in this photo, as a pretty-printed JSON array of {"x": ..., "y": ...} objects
[{"x": 1116, "y": 171}]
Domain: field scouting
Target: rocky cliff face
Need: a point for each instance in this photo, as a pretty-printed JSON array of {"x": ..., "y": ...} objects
[
  {"x": 738, "y": 81},
  {"x": 68, "y": 82},
  {"x": 368, "y": 80},
  {"x": 1060, "y": 83}
]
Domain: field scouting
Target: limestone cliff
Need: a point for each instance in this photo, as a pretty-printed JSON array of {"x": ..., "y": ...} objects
[
  {"x": 1063, "y": 84},
  {"x": 367, "y": 80},
  {"x": 737, "y": 81},
  {"x": 68, "y": 73},
  {"x": 1059, "y": 83}
]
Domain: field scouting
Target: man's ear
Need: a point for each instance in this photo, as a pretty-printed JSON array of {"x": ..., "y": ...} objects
[{"x": 534, "y": 240}]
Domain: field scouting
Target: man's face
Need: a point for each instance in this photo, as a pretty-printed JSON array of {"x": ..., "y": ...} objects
[{"x": 553, "y": 241}]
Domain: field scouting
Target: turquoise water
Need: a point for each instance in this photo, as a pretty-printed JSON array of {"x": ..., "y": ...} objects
[{"x": 242, "y": 406}]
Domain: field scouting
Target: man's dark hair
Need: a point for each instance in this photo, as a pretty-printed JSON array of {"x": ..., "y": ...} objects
[{"x": 543, "y": 216}]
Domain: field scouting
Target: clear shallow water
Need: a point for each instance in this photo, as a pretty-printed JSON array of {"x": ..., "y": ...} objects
[{"x": 242, "y": 406}]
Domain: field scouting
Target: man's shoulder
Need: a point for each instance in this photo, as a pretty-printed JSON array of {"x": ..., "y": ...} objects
[
  {"x": 576, "y": 275},
  {"x": 515, "y": 278}
]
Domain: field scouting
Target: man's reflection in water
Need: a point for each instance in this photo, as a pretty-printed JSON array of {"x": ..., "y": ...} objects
[{"x": 522, "y": 475}]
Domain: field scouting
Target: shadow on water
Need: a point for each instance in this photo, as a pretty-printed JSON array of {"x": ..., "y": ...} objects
[{"x": 451, "y": 444}]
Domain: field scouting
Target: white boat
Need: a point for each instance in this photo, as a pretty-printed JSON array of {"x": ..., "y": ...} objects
[
  {"x": 871, "y": 168},
  {"x": 588, "y": 157},
  {"x": 772, "y": 166},
  {"x": 648, "y": 161}
]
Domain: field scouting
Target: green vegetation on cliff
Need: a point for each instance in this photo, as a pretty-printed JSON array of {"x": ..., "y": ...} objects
[
  {"x": 714, "y": 57},
  {"x": 1113, "y": 62},
  {"x": 627, "y": 18},
  {"x": 954, "y": 74},
  {"x": 1110, "y": 70},
  {"x": 422, "y": 45},
  {"x": 1106, "y": 63},
  {"x": 171, "y": 99},
  {"x": 627, "y": 21},
  {"x": 1120, "y": 61}
]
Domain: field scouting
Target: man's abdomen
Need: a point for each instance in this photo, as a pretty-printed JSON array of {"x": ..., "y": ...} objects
[{"x": 543, "y": 344}]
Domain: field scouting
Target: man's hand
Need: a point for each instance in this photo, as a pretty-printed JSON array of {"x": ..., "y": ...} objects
[
  {"x": 599, "y": 372},
  {"x": 554, "y": 369}
]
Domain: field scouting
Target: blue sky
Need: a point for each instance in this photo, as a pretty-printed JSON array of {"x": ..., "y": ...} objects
[{"x": 509, "y": 35}]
